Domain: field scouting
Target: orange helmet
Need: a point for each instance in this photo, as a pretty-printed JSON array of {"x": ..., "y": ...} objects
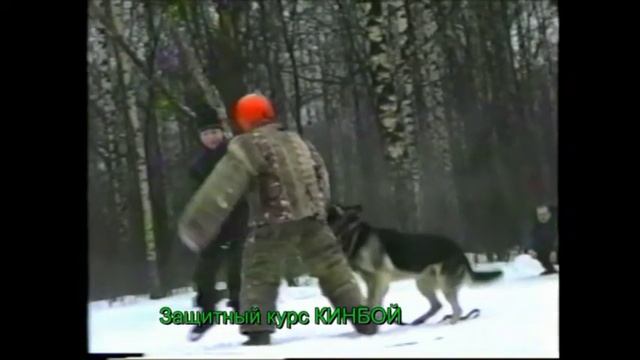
[{"x": 252, "y": 110}]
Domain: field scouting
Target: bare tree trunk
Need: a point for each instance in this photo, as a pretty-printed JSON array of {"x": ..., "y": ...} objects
[
  {"x": 332, "y": 133},
  {"x": 404, "y": 69},
  {"x": 272, "y": 62},
  {"x": 396, "y": 133},
  {"x": 413, "y": 11},
  {"x": 104, "y": 101},
  {"x": 548, "y": 98},
  {"x": 381, "y": 73},
  {"x": 438, "y": 124},
  {"x": 290, "y": 51},
  {"x": 360, "y": 125},
  {"x": 229, "y": 79},
  {"x": 194, "y": 26},
  {"x": 157, "y": 195},
  {"x": 155, "y": 165},
  {"x": 131, "y": 114}
]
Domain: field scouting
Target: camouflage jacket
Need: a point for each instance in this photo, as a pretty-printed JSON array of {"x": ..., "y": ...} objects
[{"x": 283, "y": 176}]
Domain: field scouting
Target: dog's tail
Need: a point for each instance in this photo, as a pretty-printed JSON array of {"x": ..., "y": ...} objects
[{"x": 481, "y": 276}]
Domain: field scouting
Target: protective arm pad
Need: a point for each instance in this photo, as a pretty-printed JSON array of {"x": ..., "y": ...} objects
[
  {"x": 214, "y": 201},
  {"x": 321, "y": 171}
]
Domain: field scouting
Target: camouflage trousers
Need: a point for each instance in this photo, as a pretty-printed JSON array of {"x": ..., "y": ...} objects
[
  {"x": 294, "y": 268},
  {"x": 264, "y": 257}
]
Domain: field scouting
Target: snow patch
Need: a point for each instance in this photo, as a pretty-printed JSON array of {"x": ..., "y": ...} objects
[{"x": 519, "y": 318}]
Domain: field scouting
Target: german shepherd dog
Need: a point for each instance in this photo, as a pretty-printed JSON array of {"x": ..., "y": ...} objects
[{"x": 381, "y": 256}]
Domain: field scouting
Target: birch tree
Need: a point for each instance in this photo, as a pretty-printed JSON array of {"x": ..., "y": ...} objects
[{"x": 120, "y": 12}]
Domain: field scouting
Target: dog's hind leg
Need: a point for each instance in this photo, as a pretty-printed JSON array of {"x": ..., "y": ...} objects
[
  {"x": 427, "y": 284},
  {"x": 451, "y": 280},
  {"x": 451, "y": 294}
]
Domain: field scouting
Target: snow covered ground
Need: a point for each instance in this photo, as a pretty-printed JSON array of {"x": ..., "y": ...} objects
[{"x": 519, "y": 318}]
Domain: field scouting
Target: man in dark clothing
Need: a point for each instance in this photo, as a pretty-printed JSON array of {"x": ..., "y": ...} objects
[
  {"x": 228, "y": 245},
  {"x": 544, "y": 237}
]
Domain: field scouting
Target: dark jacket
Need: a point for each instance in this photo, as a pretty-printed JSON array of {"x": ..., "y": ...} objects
[
  {"x": 544, "y": 235},
  {"x": 236, "y": 225},
  {"x": 283, "y": 176}
]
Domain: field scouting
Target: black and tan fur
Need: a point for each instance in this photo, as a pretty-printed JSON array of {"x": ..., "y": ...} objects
[{"x": 382, "y": 256}]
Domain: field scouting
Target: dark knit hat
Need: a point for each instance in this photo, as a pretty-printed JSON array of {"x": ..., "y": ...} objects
[{"x": 206, "y": 117}]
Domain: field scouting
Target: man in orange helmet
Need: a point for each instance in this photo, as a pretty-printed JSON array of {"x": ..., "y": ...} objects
[{"x": 287, "y": 185}]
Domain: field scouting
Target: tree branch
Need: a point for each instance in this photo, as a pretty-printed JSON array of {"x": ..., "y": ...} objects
[
  {"x": 113, "y": 34},
  {"x": 211, "y": 93},
  {"x": 339, "y": 81}
]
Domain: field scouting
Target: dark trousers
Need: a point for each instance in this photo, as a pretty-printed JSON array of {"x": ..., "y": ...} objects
[
  {"x": 544, "y": 256},
  {"x": 210, "y": 262}
]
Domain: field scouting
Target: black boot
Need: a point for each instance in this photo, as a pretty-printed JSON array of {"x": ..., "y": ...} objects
[
  {"x": 545, "y": 260},
  {"x": 202, "y": 302},
  {"x": 366, "y": 329},
  {"x": 258, "y": 338},
  {"x": 198, "y": 331},
  {"x": 234, "y": 304}
]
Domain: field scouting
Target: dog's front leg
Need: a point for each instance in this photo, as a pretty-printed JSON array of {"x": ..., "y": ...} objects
[
  {"x": 369, "y": 280},
  {"x": 379, "y": 288}
]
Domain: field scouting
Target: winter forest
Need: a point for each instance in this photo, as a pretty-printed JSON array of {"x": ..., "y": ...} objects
[{"x": 436, "y": 116}]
